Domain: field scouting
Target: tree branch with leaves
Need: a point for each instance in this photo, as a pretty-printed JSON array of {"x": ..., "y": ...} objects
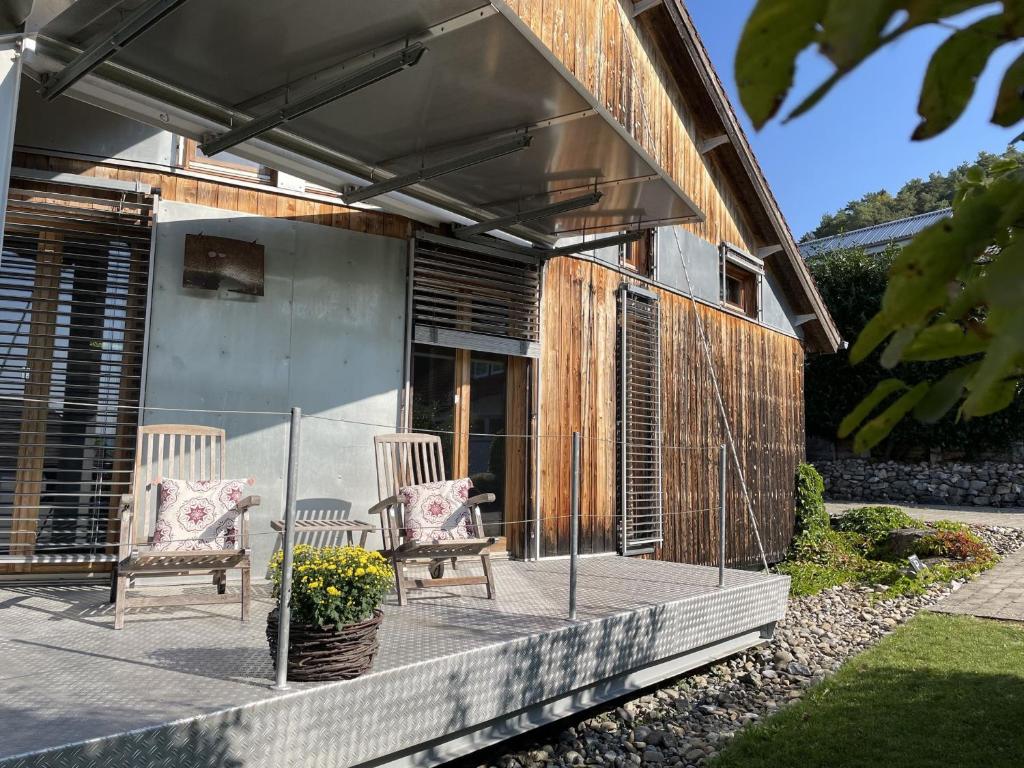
[{"x": 956, "y": 292}]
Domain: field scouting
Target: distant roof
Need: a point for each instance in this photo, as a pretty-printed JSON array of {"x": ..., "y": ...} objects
[{"x": 879, "y": 235}]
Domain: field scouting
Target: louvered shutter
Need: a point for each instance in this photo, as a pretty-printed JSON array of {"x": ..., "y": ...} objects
[
  {"x": 641, "y": 524},
  {"x": 74, "y": 280},
  {"x": 475, "y": 297}
]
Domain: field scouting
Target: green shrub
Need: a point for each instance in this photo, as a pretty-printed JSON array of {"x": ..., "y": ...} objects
[
  {"x": 957, "y": 544},
  {"x": 949, "y": 525},
  {"x": 875, "y": 523},
  {"x": 810, "y": 500}
]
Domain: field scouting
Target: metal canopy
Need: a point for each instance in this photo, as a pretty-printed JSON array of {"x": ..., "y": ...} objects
[{"x": 483, "y": 78}]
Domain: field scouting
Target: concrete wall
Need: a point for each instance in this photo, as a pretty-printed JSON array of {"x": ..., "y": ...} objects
[
  {"x": 66, "y": 125},
  {"x": 328, "y": 335}
]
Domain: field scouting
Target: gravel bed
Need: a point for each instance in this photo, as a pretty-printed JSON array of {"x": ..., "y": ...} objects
[{"x": 689, "y": 720}]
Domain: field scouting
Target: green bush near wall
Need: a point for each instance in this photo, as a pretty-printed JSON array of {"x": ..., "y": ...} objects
[{"x": 810, "y": 500}]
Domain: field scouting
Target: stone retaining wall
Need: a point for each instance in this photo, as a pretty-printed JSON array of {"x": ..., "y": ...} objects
[{"x": 985, "y": 484}]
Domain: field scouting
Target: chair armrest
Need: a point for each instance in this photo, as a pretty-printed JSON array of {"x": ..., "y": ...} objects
[
  {"x": 381, "y": 506},
  {"x": 249, "y": 501},
  {"x": 474, "y": 502}
]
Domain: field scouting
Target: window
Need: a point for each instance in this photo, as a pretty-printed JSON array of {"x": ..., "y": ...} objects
[
  {"x": 224, "y": 164},
  {"x": 741, "y": 281},
  {"x": 639, "y": 255}
]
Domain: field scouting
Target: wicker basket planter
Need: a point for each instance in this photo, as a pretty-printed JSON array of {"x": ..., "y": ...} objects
[{"x": 325, "y": 653}]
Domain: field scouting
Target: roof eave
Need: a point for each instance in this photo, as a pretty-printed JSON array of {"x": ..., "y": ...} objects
[{"x": 822, "y": 333}]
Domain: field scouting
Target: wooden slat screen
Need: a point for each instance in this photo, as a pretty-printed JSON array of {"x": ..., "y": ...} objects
[
  {"x": 641, "y": 523},
  {"x": 74, "y": 280},
  {"x": 487, "y": 302}
]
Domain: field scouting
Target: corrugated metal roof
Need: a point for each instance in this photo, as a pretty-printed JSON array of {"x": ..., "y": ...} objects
[{"x": 877, "y": 235}]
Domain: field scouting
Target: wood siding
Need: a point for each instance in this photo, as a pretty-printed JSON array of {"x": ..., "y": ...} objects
[
  {"x": 600, "y": 45},
  {"x": 761, "y": 376},
  {"x": 186, "y": 188}
]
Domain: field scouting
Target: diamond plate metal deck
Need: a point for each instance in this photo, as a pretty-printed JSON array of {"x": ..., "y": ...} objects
[{"x": 190, "y": 687}]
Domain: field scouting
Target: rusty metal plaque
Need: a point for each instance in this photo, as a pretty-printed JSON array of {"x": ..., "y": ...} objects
[{"x": 222, "y": 264}]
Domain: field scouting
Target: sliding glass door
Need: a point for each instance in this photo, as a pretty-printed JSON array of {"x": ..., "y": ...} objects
[{"x": 477, "y": 403}]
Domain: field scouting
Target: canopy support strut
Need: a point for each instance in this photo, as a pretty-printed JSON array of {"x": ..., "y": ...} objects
[
  {"x": 430, "y": 172},
  {"x": 144, "y": 17},
  {"x": 584, "y": 201},
  {"x": 368, "y": 75}
]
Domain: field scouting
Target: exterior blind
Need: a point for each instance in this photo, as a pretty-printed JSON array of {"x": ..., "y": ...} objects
[
  {"x": 74, "y": 280},
  {"x": 474, "y": 298},
  {"x": 640, "y": 489}
]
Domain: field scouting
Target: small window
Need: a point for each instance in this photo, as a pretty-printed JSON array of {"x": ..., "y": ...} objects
[
  {"x": 224, "y": 164},
  {"x": 639, "y": 255},
  {"x": 741, "y": 282}
]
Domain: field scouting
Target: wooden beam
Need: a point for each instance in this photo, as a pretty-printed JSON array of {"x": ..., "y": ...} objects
[
  {"x": 35, "y": 415},
  {"x": 460, "y": 442},
  {"x": 767, "y": 250},
  {"x": 642, "y": 6},
  {"x": 801, "y": 319},
  {"x": 715, "y": 141}
]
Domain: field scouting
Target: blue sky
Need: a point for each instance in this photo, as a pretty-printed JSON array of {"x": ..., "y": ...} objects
[{"x": 857, "y": 139}]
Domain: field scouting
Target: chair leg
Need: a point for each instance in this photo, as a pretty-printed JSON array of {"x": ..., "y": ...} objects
[
  {"x": 113, "y": 584},
  {"x": 220, "y": 578},
  {"x": 119, "y": 602},
  {"x": 246, "y": 592},
  {"x": 489, "y": 574},
  {"x": 399, "y": 582}
]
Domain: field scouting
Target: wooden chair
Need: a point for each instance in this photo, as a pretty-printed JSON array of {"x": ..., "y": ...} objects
[
  {"x": 413, "y": 459},
  {"x": 190, "y": 453}
]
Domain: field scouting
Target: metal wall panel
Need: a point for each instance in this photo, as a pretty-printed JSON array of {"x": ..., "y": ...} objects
[
  {"x": 641, "y": 524},
  {"x": 327, "y": 335}
]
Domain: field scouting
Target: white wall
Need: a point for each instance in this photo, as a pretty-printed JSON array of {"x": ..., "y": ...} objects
[{"x": 328, "y": 336}]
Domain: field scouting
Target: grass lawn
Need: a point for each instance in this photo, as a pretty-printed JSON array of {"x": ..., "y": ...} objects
[{"x": 940, "y": 691}]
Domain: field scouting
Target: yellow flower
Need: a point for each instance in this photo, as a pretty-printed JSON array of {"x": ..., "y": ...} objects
[
  {"x": 333, "y": 591},
  {"x": 315, "y": 584},
  {"x": 360, "y": 572}
]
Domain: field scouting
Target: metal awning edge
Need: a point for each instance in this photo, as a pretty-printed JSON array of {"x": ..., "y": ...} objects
[{"x": 521, "y": 26}]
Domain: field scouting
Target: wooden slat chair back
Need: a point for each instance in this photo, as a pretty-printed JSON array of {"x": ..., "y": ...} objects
[
  {"x": 189, "y": 453},
  {"x": 412, "y": 459}
]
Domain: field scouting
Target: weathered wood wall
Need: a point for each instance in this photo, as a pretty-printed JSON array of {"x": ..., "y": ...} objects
[
  {"x": 629, "y": 77},
  {"x": 761, "y": 375}
]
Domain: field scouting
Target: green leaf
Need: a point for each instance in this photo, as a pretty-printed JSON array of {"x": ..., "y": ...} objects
[
  {"x": 876, "y": 430},
  {"x": 874, "y": 333},
  {"x": 883, "y": 390},
  {"x": 944, "y": 394},
  {"x": 775, "y": 34},
  {"x": 943, "y": 340},
  {"x": 929, "y": 11},
  {"x": 1009, "y": 108},
  {"x": 852, "y": 31},
  {"x": 953, "y": 71},
  {"x": 894, "y": 351},
  {"x": 992, "y": 388}
]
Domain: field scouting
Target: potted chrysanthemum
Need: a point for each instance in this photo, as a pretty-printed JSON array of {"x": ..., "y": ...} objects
[{"x": 335, "y": 611}]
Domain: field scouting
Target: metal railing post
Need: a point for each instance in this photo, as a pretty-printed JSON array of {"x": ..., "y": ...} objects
[
  {"x": 722, "y": 469},
  {"x": 284, "y": 600},
  {"x": 574, "y": 525}
]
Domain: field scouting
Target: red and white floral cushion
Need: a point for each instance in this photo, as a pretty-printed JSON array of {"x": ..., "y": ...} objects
[
  {"x": 197, "y": 515},
  {"x": 437, "y": 511}
]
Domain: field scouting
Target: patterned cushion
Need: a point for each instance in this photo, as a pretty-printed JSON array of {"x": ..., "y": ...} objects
[
  {"x": 437, "y": 511},
  {"x": 197, "y": 515}
]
